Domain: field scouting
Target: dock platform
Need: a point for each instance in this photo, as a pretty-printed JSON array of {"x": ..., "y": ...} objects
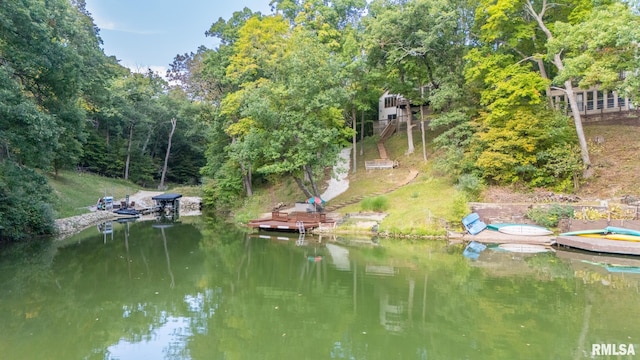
[{"x": 295, "y": 221}]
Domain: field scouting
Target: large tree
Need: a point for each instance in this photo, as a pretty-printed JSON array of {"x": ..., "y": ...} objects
[
  {"x": 419, "y": 45},
  {"x": 575, "y": 43},
  {"x": 290, "y": 100}
]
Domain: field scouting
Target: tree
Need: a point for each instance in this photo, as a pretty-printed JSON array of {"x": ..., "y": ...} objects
[
  {"x": 166, "y": 157},
  {"x": 298, "y": 117},
  {"x": 419, "y": 44},
  {"x": 578, "y": 47}
]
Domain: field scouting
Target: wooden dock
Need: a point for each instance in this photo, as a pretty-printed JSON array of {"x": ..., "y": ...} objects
[
  {"x": 295, "y": 221},
  {"x": 598, "y": 245}
]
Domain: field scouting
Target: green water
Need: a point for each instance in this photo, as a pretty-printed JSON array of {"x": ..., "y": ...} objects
[{"x": 199, "y": 290}]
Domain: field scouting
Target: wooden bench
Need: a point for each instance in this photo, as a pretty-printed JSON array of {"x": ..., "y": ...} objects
[{"x": 380, "y": 164}]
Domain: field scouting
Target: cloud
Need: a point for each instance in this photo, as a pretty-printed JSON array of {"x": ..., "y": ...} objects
[{"x": 104, "y": 24}]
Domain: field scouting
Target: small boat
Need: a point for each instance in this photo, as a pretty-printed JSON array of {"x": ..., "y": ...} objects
[
  {"x": 622, "y": 231},
  {"x": 524, "y": 248},
  {"x": 584, "y": 232},
  {"x": 473, "y": 224},
  {"x": 621, "y": 237},
  {"x": 127, "y": 213},
  {"x": 524, "y": 230}
]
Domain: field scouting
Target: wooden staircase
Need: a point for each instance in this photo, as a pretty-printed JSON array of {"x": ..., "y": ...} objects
[{"x": 383, "y": 161}]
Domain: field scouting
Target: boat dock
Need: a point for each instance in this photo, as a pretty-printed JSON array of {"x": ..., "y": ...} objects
[
  {"x": 294, "y": 221},
  {"x": 598, "y": 245}
]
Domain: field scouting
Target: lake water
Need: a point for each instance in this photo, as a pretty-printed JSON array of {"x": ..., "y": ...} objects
[{"x": 200, "y": 290}]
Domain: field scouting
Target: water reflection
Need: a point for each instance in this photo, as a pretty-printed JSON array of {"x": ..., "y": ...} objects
[{"x": 195, "y": 290}]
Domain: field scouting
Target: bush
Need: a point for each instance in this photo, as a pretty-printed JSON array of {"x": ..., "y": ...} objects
[
  {"x": 377, "y": 204},
  {"x": 470, "y": 185},
  {"x": 550, "y": 217},
  {"x": 25, "y": 209}
]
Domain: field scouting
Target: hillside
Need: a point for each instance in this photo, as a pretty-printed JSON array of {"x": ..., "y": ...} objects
[{"x": 614, "y": 148}]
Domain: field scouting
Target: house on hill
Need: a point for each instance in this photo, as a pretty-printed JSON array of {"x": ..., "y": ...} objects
[
  {"x": 594, "y": 105},
  {"x": 396, "y": 107}
]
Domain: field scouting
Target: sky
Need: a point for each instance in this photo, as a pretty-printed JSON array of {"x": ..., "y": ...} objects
[{"x": 150, "y": 33}]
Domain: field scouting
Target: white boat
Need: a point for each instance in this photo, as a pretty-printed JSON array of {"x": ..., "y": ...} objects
[{"x": 525, "y": 229}]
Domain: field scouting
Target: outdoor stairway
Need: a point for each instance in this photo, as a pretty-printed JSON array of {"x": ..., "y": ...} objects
[{"x": 383, "y": 161}]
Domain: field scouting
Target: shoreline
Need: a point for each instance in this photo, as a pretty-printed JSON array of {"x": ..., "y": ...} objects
[{"x": 66, "y": 227}]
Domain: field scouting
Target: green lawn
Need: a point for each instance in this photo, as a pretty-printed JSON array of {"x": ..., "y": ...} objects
[{"x": 75, "y": 192}]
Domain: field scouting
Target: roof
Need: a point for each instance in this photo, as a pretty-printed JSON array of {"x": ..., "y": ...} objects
[{"x": 167, "y": 197}]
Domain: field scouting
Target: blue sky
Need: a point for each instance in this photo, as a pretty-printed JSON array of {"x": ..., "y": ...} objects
[{"x": 148, "y": 34}]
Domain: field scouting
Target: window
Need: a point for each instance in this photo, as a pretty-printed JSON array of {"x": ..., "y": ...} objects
[
  {"x": 392, "y": 116},
  {"x": 580, "y": 101},
  {"x": 589, "y": 100},
  {"x": 390, "y": 101},
  {"x": 600, "y": 103},
  {"x": 610, "y": 99},
  {"x": 561, "y": 104},
  {"x": 621, "y": 101}
]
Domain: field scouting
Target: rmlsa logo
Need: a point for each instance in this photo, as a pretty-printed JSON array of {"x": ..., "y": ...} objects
[{"x": 612, "y": 349}]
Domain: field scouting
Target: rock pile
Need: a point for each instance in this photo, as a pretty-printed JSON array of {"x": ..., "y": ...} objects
[{"x": 74, "y": 224}]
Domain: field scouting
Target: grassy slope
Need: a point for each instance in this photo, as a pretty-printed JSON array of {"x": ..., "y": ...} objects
[
  {"x": 76, "y": 192},
  {"x": 418, "y": 207}
]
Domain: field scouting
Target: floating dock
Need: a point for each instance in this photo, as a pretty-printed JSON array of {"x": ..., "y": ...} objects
[
  {"x": 295, "y": 221},
  {"x": 597, "y": 245}
]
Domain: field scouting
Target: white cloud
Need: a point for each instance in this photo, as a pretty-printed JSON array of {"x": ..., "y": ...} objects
[{"x": 105, "y": 24}]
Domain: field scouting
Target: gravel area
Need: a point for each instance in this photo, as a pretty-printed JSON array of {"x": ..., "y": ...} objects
[{"x": 339, "y": 182}]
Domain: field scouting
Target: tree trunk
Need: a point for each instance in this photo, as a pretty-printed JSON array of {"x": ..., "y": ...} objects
[
  {"x": 246, "y": 179},
  {"x": 568, "y": 87},
  {"x": 362, "y": 133},
  {"x": 302, "y": 187},
  {"x": 309, "y": 172},
  {"x": 424, "y": 142},
  {"x": 577, "y": 120},
  {"x": 126, "y": 163},
  {"x": 355, "y": 138},
  {"x": 146, "y": 141},
  {"x": 166, "y": 156},
  {"x": 410, "y": 148}
]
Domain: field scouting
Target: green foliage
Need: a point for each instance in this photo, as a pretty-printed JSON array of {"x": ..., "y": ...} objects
[
  {"x": 25, "y": 209},
  {"x": 550, "y": 216},
  {"x": 223, "y": 191},
  {"x": 377, "y": 204},
  {"x": 459, "y": 208},
  {"x": 470, "y": 185}
]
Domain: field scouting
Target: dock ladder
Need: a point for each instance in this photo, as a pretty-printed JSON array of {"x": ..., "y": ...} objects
[{"x": 300, "y": 226}]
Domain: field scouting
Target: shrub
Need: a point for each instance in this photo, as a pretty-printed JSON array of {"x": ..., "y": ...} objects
[
  {"x": 550, "y": 217},
  {"x": 471, "y": 185},
  {"x": 377, "y": 204},
  {"x": 25, "y": 209}
]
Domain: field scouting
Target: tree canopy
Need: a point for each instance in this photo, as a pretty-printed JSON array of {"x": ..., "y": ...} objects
[{"x": 278, "y": 97}]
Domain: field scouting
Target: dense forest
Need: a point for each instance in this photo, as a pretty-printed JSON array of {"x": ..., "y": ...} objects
[{"x": 282, "y": 93}]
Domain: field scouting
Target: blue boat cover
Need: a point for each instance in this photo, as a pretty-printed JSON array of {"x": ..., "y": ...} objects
[{"x": 473, "y": 224}]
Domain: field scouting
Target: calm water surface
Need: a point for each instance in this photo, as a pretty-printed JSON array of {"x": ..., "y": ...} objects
[{"x": 199, "y": 290}]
